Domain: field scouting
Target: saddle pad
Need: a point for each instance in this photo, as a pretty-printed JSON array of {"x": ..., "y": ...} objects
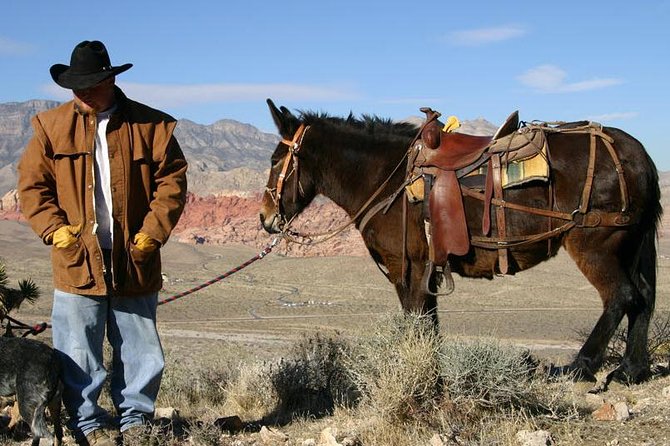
[
  {"x": 514, "y": 173},
  {"x": 530, "y": 169}
]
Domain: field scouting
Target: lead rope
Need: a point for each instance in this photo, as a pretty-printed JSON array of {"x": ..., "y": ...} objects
[
  {"x": 258, "y": 256},
  {"x": 29, "y": 329}
]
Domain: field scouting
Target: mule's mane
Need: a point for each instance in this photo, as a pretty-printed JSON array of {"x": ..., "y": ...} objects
[{"x": 367, "y": 124}]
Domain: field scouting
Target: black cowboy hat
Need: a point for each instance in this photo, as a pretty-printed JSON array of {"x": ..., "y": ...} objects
[{"x": 89, "y": 65}]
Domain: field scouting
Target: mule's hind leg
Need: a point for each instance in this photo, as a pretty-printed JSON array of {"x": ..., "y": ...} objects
[
  {"x": 600, "y": 260},
  {"x": 634, "y": 367}
]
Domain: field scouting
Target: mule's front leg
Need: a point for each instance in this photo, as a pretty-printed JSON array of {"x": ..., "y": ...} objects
[{"x": 413, "y": 295}]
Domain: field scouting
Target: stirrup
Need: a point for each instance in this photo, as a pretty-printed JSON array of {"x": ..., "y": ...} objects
[{"x": 443, "y": 280}]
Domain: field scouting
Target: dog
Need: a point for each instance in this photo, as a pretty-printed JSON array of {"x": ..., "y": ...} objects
[{"x": 30, "y": 371}]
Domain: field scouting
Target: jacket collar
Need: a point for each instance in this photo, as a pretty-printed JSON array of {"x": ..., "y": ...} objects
[{"x": 121, "y": 102}]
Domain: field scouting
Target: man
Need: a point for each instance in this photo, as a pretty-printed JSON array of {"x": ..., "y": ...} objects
[{"x": 103, "y": 180}]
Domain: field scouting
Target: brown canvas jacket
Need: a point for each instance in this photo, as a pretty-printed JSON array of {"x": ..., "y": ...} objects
[{"x": 148, "y": 182}]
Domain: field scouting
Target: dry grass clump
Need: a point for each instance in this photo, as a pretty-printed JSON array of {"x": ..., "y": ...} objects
[
  {"x": 397, "y": 368},
  {"x": 152, "y": 435},
  {"x": 250, "y": 393},
  {"x": 190, "y": 387},
  {"x": 488, "y": 373},
  {"x": 416, "y": 384}
]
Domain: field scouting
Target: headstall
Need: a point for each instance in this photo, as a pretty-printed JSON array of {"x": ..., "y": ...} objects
[{"x": 294, "y": 147}]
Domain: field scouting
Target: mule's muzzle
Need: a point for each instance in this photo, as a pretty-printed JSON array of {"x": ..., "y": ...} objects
[{"x": 271, "y": 223}]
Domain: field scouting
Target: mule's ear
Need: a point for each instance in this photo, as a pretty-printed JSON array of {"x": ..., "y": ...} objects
[
  {"x": 284, "y": 120},
  {"x": 277, "y": 116}
]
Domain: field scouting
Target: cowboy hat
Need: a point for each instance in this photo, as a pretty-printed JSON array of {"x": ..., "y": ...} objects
[{"x": 89, "y": 65}]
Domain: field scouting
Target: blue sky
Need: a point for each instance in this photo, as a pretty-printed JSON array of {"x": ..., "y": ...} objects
[{"x": 606, "y": 61}]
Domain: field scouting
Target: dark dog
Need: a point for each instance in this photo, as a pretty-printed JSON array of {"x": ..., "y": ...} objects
[{"x": 30, "y": 371}]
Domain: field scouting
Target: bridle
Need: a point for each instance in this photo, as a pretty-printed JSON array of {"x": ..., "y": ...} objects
[{"x": 290, "y": 158}]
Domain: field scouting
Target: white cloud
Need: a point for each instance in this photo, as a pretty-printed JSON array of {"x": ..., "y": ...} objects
[
  {"x": 166, "y": 95},
  {"x": 608, "y": 117},
  {"x": 482, "y": 36},
  {"x": 551, "y": 79},
  {"x": 10, "y": 47}
]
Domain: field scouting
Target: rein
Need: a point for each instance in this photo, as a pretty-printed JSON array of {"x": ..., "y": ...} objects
[
  {"x": 293, "y": 236},
  {"x": 258, "y": 256}
]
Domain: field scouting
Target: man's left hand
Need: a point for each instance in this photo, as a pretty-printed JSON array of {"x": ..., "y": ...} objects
[{"x": 145, "y": 243}]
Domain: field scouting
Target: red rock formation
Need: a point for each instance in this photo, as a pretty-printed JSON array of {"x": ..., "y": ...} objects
[{"x": 221, "y": 220}]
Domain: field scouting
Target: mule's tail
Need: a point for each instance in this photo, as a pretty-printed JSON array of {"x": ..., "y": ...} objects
[{"x": 644, "y": 265}]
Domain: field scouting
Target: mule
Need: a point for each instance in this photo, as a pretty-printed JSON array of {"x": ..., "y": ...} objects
[{"x": 361, "y": 162}]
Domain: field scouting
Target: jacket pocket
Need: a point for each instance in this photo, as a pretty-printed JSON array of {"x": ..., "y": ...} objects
[
  {"x": 71, "y": 265},
  {"x": 144, "y": 268}
]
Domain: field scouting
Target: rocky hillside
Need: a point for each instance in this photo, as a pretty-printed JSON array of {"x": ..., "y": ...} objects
[
  {"x": 222, "y": 220},
  {"x": 15, "y": 131}
]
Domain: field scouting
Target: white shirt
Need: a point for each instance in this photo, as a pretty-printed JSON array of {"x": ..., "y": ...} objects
[{"x": 103, "y": 192}]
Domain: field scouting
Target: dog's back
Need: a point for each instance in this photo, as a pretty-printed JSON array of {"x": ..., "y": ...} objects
[{"x": 30, "y": 370}]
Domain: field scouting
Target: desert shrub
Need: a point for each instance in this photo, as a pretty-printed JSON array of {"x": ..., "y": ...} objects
[
  {"x": 250, "y": 393},
  {"x": 396, "y": 367},
  {"x": 193, "y": 386},
  {"x": 310, "y": 381},
  {"x": 12, "y": 298},
  {"x": 313, "y": 379},
  {"x": 413, "y": 380},
  {"x": 658, "y": 344},
  {"x": 204, "y": 434},
  {"x": 487, "y": 372},
  {"x": 153, "y": 435}
]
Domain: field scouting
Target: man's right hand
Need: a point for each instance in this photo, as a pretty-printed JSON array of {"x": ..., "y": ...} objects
[{"x": 66, "y": 236}]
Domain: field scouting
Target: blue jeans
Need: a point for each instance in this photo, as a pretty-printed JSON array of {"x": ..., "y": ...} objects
[{"x": 78, "y": 326}]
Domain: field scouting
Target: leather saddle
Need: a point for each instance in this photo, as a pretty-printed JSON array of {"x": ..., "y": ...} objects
[{"x": 444, "y": 156}]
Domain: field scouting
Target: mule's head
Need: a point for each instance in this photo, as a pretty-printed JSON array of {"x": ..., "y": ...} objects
[{"x": 290, "y": 186}]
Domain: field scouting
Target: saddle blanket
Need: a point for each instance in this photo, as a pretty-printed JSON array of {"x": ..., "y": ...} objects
[{"x": 518, "y": 172}]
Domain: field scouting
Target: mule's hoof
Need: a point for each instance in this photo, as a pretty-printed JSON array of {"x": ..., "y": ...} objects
[{"x": 628, "y": 375}]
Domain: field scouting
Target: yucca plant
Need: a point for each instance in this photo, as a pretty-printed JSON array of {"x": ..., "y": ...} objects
[{"x": 12, "y": 298}]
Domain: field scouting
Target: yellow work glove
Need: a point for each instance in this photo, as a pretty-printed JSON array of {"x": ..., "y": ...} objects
[
  {"x": 452, "y": 124},
  {"x": 145, "y": 243},
  {"x": 65, "y": 236}
]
